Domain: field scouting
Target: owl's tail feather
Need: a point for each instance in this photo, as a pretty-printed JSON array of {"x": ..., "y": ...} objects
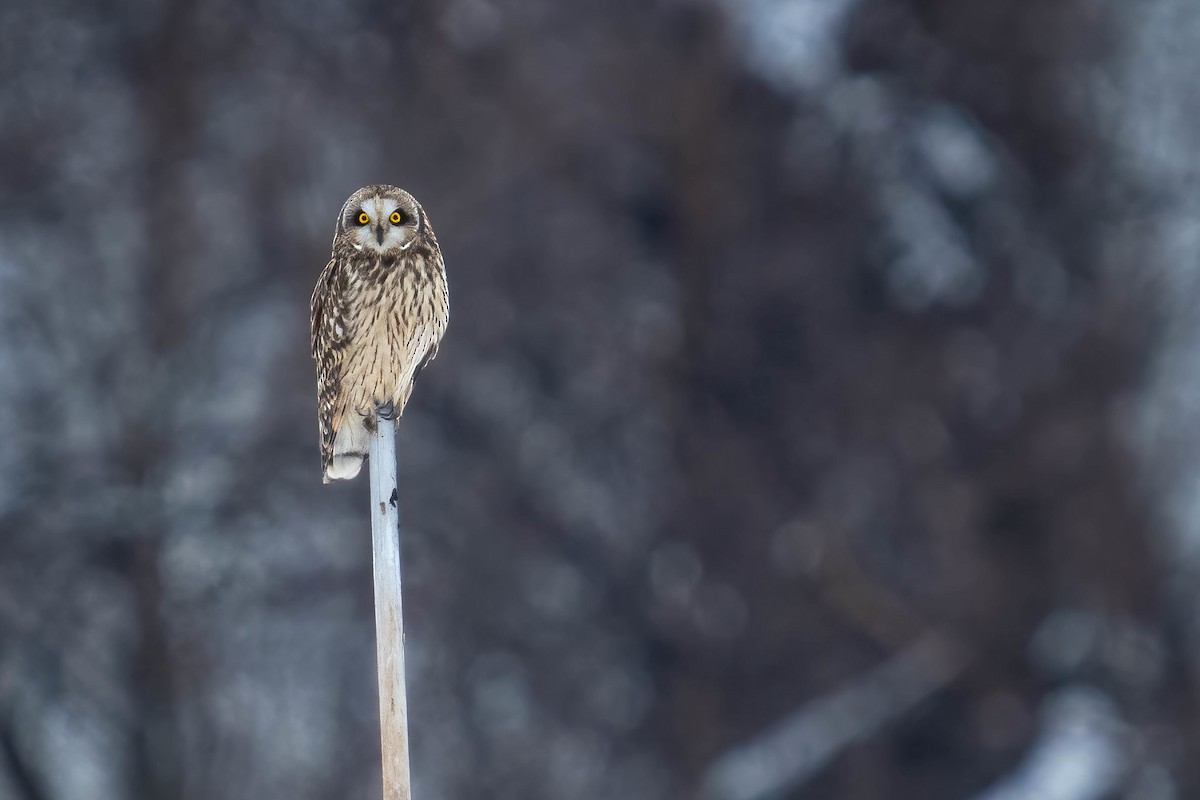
[{"x": 349, "y": 449}]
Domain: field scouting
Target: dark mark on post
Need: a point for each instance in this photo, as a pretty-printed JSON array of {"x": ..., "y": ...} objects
[
  {"x": 392, "y": 499},
  {"x": 382, "y": 510}
]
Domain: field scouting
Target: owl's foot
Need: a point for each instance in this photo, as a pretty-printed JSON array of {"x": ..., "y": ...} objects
[{"x": 386, "y": 411}]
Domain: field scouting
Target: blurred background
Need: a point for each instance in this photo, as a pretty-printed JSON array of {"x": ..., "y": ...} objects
[{"x": 819, "y": 415}]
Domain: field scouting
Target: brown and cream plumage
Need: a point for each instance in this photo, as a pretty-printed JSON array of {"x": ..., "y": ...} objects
[{"x": 379, "y": 311}]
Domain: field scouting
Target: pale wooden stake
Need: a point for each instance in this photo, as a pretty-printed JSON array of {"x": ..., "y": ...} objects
[{"x": 389, "y": 618}]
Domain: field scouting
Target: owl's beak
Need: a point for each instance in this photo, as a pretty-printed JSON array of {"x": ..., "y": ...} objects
[{"x": 379, "y": 233}]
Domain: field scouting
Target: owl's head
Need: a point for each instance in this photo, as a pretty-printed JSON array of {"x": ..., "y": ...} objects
[{"x": 380, "y": 219}]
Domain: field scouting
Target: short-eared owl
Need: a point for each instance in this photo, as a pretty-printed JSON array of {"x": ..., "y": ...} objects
[{"x": 378, "y": 313}]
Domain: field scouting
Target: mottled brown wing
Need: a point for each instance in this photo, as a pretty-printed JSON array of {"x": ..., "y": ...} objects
[
  {"x": 439, "y": 316},
  {"x": 432, "y": 317},
  {"x": 330, "y": 332}
]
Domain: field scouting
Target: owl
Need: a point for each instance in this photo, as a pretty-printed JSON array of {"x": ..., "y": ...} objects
[{"x": 379, "y": 311}]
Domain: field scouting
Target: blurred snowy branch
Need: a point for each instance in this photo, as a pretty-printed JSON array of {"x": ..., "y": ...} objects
[
  {"x": 1080, "y": 754},
  {"x": 791, "y": 752}
]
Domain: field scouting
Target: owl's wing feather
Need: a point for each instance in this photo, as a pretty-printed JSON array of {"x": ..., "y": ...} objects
[
  {"x": 330, "y": 332},
  {"x": 431, "y": 340},
  {"x": 321, "y": 297},
  {"x": 430, "y": 355}
]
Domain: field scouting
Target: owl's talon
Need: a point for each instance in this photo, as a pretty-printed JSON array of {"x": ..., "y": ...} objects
[{"x": 386, "y": 411}]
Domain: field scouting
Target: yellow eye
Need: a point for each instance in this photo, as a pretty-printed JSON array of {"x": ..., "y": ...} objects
[
  {"x": 363, "y": 218},
  {"x": 396, "y": 218}
]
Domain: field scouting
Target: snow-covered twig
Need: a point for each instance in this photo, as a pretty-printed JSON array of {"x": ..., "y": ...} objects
[
  {"x": 1079, "y": 755},
  {"x": 791, "y": 752}
]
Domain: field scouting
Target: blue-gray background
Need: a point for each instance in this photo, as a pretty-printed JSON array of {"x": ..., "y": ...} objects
[{"x": 817, "y": 419}]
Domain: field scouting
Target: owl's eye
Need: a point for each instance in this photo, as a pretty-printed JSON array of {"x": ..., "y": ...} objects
[
  {"x": 396, "y": 218},
  {"x": 363, "y": 218}
]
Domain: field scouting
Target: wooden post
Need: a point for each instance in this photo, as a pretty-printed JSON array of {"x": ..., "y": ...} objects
[{"x": 389, "y": 618}]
